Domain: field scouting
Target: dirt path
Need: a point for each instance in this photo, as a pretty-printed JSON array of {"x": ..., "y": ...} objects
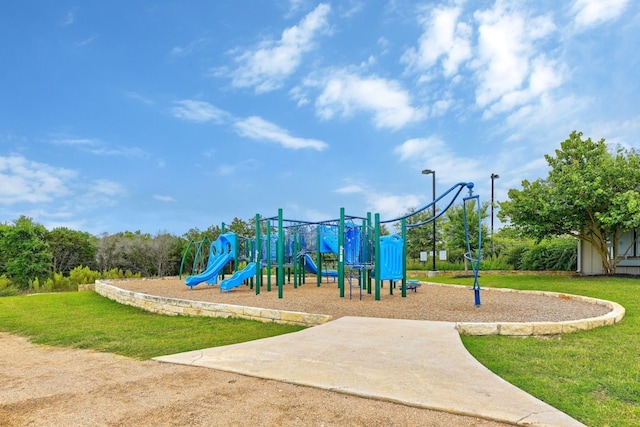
[{"x": 47, "y": 386}]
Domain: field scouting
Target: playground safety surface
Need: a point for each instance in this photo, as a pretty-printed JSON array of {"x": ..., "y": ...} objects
[{"x": 414, "y": 362}]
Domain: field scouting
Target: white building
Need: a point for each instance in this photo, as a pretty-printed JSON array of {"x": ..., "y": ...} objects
[{"x": 590, "y": 263}]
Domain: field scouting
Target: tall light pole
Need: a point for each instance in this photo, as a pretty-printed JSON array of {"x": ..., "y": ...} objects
[
  {"x": 494, "y": 176},
  {"x": 433, "y": 223}
]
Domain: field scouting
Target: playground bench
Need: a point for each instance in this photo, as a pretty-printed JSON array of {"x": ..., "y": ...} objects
[{"x": 413, "y": 285}]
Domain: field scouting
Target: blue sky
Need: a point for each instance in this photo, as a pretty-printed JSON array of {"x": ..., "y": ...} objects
[{"x": 169, "y": 115}]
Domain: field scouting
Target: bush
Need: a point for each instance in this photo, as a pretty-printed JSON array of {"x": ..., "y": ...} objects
[
  {"x": 515, "y": 256},
  {"x": 555, "y": 255},
  {"x": 83, "y": 276},
  {"x": 118, "y": 274},
  {"x": 7, "y": 287}
]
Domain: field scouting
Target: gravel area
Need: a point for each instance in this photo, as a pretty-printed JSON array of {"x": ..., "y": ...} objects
[{"x": 429, "y": 302}]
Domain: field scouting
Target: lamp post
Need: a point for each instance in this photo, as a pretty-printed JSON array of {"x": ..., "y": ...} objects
[
  {"x": 494, "y": 176},
  {"x": 433, "y": 223}
]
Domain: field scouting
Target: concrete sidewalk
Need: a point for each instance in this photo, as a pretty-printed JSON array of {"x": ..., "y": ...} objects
[{"x": 417, "y": 363}]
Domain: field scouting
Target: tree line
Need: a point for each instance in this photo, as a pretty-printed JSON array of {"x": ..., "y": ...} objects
[
  {"x": 592, "y": 194},
  {"x": 33, "y": 257}
]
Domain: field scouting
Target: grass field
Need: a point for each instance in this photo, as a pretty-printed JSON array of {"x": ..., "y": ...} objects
[
  {"x": 594, "y": 376},
  {"x": 88, "y": 320}
]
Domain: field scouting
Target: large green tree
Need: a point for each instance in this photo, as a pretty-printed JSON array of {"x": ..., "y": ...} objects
[
  {"x": 591, "y": 192},
  {"x": 24, "y": 252},
  {"x": 71, "y": 249}
]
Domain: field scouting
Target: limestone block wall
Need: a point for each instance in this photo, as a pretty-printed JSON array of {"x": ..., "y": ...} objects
[
  {"x": 180, "y": 307},
  {"x": 546, "y": 328}
]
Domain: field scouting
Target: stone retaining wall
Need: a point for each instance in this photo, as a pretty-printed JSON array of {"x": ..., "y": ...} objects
[
  {"x": 175, "y": 307},
  {"x": 545, "y": 328}
]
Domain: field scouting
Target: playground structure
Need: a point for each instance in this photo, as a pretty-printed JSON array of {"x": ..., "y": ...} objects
[{"x": 363, "y": 257}]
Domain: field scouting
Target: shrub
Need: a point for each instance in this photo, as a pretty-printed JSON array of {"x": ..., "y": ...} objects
[
  {"x": 559, "y": 254},
  {"x": 83, "y": 276},
  {"x": 7, "y": 287},
  {"x": 118, "y": 274}
]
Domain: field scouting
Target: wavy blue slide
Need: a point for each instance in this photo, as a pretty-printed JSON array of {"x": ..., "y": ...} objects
[
  {"x": 312, "y": 268},
  {"x": 210, "y": 275},
  {"x": 238, "y": 277}
]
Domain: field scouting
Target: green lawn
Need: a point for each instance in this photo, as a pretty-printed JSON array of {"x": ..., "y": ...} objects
[
  {"x": 594, "y": 376},
  {"x": 87, "y": 320}
]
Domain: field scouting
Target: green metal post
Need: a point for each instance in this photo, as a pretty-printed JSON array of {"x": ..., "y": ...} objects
[
  {"x": 371, "y": 255},
  {"x": 280, "y": 255},
  {"x": 268, "y": 255},
  {"x": 294, "y": 259},
  {"x": 318, "y": 256},
  {"x": 222, "y": 231},
  {"x": 404, "y": 257},
  {"x": 341, "y": 253},
  {"x": 258, "y": 256},
  {"x": 377, "y": 255}
]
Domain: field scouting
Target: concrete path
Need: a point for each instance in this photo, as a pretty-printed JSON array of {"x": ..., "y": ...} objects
[{"x": 417, "y": 363}]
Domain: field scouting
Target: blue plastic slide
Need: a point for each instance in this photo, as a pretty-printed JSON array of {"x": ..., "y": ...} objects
[
  {"x": 312, "y": 268},
  {"x": 238, "y": 277},
  {"x": 212, "y": 271}
]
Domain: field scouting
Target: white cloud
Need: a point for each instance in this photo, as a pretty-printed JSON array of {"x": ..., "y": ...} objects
[
  {"x": 350, "y": 8},
  {"x": 391, "y": 206},
  {"x": 97, "y": 147},
  {"x": 230, "y": 169},
  {"x": 198, "y": 111},
  {"x": 138, "y": 97},
  {"x": 98, "y": 194},
  {"x": 433, "y": 153},
  {"x": 593, "y": 12},
  {"x": 260, "y": 129},
  {"x": 444, "y": 39},
  {"x": 267, "y": 66},
  {"x": 189, "y": 48},
  {"x": 22, "y": 180},
  {"x": 350, "y": 189},
  {"x": 316, "y": 215},
  {"x": 510, "y": 67},
  {"x": 294, "y": 6},
  {"x": 345, "y": 93},
  {"x": 161, "y": 198},
  {"x": 85, "y": 42},
  {"x": 69, "y": 18},
  {"x": 106, "y": 187}
]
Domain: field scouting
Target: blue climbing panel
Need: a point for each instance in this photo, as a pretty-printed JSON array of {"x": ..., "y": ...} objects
[{"x": 390, "y": 259}]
